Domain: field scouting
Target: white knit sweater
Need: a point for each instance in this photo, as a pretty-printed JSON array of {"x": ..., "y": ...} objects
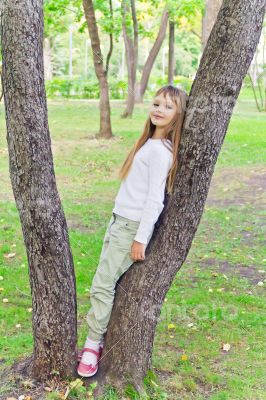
[{"x": 141, "y": 193}]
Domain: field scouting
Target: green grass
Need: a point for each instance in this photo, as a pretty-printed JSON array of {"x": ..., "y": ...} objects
[{"x": 215, "y": 298}]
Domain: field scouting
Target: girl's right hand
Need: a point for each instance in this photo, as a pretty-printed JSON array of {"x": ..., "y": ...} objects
[{"x": 137, "y": 251}]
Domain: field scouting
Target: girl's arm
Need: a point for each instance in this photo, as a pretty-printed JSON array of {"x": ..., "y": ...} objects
[{"x": 160, "y": 162}]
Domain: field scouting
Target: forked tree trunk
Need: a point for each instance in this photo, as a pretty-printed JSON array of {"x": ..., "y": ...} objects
[
  {"x": 211, "y": 11},
  {"x": 31, "y": 169},
  {"x": 101, "y": 73},
  {"x": 171, "y": 54},
  {"x": 142, "y": 85},
  {"x": 224, "y": 64}
]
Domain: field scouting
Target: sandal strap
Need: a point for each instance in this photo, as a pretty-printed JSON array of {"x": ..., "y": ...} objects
[
  {"x": 87, "y": 349},
  {"x": 93, "y": 367}
]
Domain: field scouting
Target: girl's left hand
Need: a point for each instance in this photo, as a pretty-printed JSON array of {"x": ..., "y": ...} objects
[{"x": 138, "y": 251}]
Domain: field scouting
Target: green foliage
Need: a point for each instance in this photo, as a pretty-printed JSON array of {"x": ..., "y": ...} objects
[
  {"x": 78, "y": 88},
  {"x": 181, "y": 81},
  {"x": 83, "y": 89},
  {"x": 57, "y": 13},
  {"x": 187, "y": 52},
  {"x": 184, "y": 9}
]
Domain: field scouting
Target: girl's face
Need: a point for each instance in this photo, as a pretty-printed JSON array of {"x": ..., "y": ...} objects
[{"x": 162, "y": 111}]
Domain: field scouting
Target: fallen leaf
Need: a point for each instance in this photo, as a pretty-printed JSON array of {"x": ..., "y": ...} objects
[
  {"x": 260, "y": 283},
  {"x": 171, "y": 326},
  {"x": 9, "y": 255},
  {"x": 5, "y": 300},
  {"x": 28, "y": 384},
  {"x": 226, "y": 346}
]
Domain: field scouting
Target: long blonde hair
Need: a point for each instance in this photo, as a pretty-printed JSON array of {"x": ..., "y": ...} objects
[{"x": 172, "y": 132}]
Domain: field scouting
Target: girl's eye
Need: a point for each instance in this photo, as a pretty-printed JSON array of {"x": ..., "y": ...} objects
[
  {"x": 169, "y": 107},
  {"x": 155, "y": 104}
]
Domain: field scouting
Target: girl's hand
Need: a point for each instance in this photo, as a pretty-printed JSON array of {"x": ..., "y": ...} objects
[{"x": 138, "y": 251}]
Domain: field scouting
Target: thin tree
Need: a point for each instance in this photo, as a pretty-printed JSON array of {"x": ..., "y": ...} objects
[
  {"x": 176, "y": 11},
  {"x": 101, "y": 71},
  {"x": 131, "y": 50},
  {"x": 171, "y": 53},
  {"x": 142, "y": 85},
  {"x": 139, "y": 297},
  {"x": 31, "y": 168},
  {"x": 211, "y": 11}
]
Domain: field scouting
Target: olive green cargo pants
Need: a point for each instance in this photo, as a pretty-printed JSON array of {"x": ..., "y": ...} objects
[{"x": 114, "y": 261}]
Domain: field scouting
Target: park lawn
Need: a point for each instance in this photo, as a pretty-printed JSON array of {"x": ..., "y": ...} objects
[{"x": 215, "y": 299}]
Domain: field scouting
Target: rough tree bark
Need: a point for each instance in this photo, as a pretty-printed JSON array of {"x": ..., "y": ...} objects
[
  {"x": 32, "y": 176},
  {"x": 171, "y": 54},
  {"x": 224, "y": 64},
  {"x": 142, "y": 85},
  {"x": 211, "y": 11},
  {"x": 101, "y": 72}
]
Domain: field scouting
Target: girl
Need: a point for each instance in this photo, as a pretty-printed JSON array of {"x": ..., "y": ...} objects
[{"x": 151, "y": 164}]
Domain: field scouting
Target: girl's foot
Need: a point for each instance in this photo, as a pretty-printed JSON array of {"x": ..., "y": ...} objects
[
  {"x": 80, "y": 352},
  {"x": 88, "y": 369},
  {"x": 90, "y": 356}
]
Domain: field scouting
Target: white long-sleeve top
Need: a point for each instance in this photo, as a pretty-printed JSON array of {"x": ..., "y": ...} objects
[{"x": 141, "y": 193}]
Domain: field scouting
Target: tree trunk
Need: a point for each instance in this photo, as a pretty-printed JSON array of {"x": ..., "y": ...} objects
[
  {"x": 211, "y": 11},
  {"x": 224, "y": 64},
  {"x": 131, "y": 50},
  {"x": 105, "y": 118},
  {"x": 142, "y": 86},
  {"x": 31, "y": 169},
  {"x": 171, "y": 54}
]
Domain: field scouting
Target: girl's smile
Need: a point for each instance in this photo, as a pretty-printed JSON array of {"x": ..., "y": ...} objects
[{"x": 162, "y": 111}]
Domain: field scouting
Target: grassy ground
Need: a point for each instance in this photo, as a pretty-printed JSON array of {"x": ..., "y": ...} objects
[{"x": 210, "y": 342}]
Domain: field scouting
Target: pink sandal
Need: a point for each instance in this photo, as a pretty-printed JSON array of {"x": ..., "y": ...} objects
[
  {"x": 80, "y": 353},
  {"x": 87, "y": 370}
]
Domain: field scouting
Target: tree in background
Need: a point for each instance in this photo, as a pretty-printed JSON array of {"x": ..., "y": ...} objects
[
  {"x": 142, "y": 85},
  {"x": 56, "y": 21},
  {"x": 142, "y": 289},
  {"x": 171, "y": 52},
  {"x": 181, "y": 14},
  {"x": 130, "y": 36},
  {"x": 178, "y": 12},
  {"x": 101, "y": 71},
  {"x": 211, "y": 11}
]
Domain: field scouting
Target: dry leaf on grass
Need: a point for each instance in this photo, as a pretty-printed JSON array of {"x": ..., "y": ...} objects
[{"x": 9, "y": 255}]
